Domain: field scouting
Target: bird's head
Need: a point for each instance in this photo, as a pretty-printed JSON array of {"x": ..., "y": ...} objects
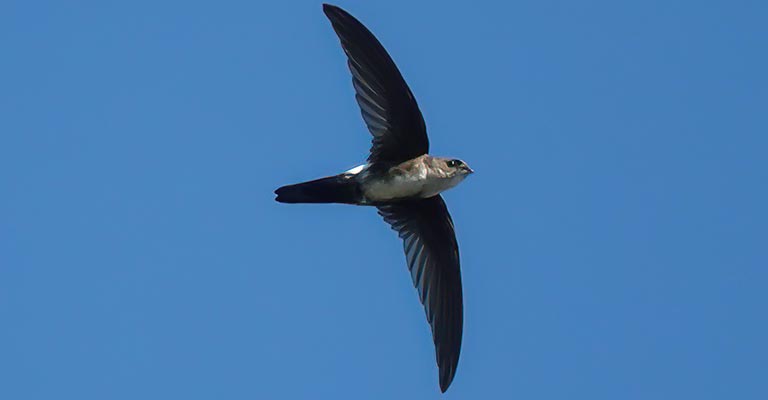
[{"x": 456, "y": 167}]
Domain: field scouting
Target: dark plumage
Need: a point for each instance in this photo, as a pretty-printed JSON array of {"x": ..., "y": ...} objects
[
  {"x": 333, "y": 189},
  {"x": 386, "y": 103},
  {"x": 433, "y": 259}
]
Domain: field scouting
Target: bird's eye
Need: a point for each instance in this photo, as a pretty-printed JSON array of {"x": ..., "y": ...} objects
[{"x": 454, "y": 163}]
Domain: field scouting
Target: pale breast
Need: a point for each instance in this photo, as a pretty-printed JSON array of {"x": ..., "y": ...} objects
[{"x": 435, "y": 186}]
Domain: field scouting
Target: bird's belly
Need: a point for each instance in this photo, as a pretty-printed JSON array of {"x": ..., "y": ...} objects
[
  {"x": 405, "y": 188},
  {"x": 393, "y": 189}
]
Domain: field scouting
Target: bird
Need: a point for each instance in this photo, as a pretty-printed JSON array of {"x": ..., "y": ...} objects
[{"x": 403, "y": 182}]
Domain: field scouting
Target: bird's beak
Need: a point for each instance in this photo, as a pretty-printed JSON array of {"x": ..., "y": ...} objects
[{"x": 469, "y": 170}]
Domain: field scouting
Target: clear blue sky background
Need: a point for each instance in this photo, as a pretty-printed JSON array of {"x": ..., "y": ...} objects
[{"x": 614, "y": 238}]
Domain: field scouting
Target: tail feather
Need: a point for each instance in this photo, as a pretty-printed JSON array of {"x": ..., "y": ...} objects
[{"x": 333, "y": 189}]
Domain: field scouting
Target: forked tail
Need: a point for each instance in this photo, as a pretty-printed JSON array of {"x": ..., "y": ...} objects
[{"x": 333, "y": 189}]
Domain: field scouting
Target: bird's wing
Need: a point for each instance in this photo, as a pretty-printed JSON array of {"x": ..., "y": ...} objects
[
  {"x": 387, "y": 104},
  {"x": 433, "y": 259}
]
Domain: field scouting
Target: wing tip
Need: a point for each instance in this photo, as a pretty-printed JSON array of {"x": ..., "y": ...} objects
[
  {"x": 330, "y": 9},
  {"x": 446, "y": 377},
  {"x": 447, "y": 368}
]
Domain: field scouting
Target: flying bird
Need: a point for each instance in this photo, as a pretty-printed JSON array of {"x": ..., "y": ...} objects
[{"x": 402, "y": 181}]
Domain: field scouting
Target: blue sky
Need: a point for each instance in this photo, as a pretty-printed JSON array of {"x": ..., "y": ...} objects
[{"x": 613, "y": 237}]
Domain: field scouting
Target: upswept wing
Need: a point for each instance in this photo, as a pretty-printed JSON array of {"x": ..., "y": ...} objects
[{"x": 387, "y": 104}]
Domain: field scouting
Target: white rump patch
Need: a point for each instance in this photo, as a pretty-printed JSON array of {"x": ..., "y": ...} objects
[{"x": 356, "y": 170}]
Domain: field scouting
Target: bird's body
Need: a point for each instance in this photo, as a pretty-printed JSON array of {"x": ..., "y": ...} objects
[
  {"x": 422, "y": 177},
  {"x": 403, "y": 182}
]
